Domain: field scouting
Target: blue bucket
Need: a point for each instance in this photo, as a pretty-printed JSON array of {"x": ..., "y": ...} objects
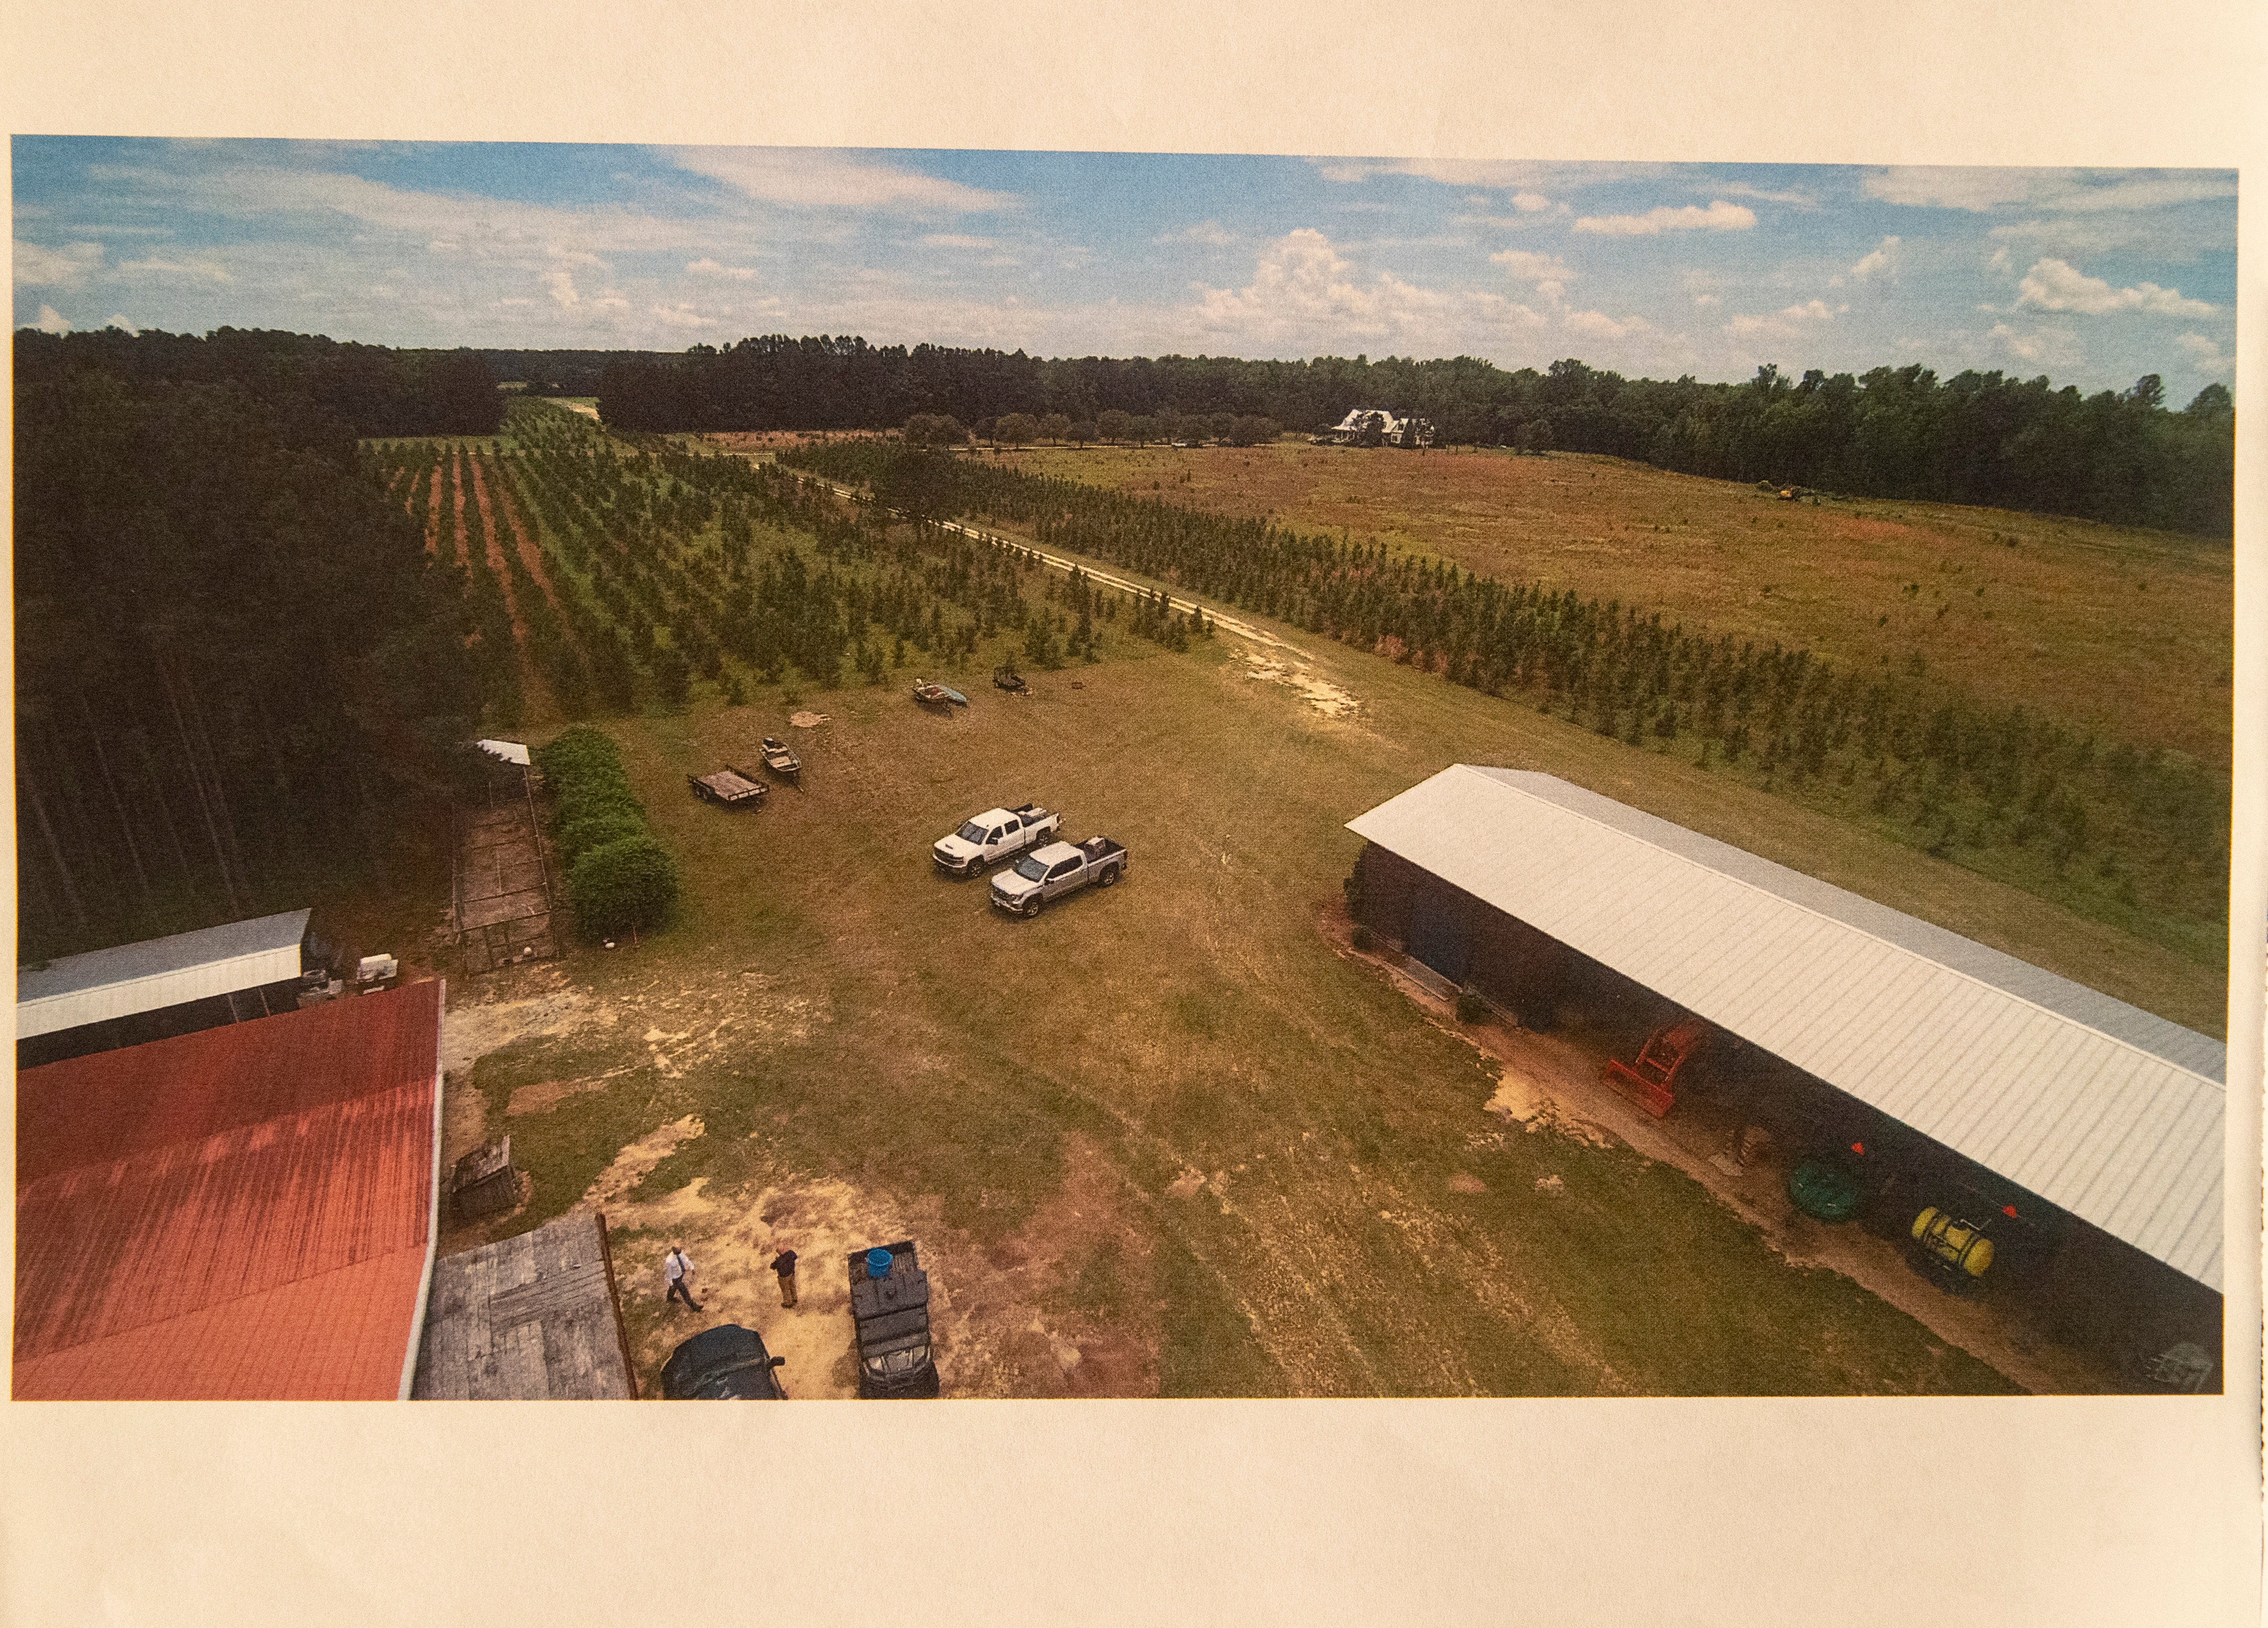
[{"x": 878, "y": 1262}]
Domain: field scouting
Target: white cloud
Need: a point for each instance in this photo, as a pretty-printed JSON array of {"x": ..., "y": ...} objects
[
  {"x": 443, "y": 246},
  {"x": 1599, "y": 325},
  {"x": 188, "y": 270},
  {"x": 1786, "y": 320},
  {"x": 706, "y": 267},
  {"x": 681, "y": 315},
  {"x": 956, "y": 239},
  {"x": 1210, "y": 232},
  {"x": 807, "y": 178},
  {"x": 1951, "y": 187},
  {"x": 68, "y": 267},
  {"x": 124, "y": 324},
  {"x": 52, "y": 322},
  {"x": 1741, "y": 189},
  {"x": 1708, "y": 300},
  {"x": 1980, "y": 190},
  {"x": 2205, "y": 354},
  {"x": 1304, "y": 292},
  {"x": 1548, "y": 272},
  {"x": 1530, "y": 203},
  {"x": 2051, "y": 347},
  {"x": 561, "y": 284},
  {"x": 1884, "y": 258},
  {"x": 1719, "y": 217},
  {"x": 2057, "y": 286}
]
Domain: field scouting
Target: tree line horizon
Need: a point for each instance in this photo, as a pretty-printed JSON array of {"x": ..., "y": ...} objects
[{"x": 1983, "y": 439}]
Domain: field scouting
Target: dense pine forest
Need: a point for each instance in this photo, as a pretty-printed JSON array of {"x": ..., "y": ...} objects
[
  {"x": 2118, "y": 828},
  {"x": 372, "y": 390},
  {"x": 231, "y": 652},
  {"x": 2123, "y": 457}
]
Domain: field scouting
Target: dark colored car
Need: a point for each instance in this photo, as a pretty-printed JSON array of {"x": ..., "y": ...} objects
[
  {"x": 889, "y": 1309},
  {"x": 724, "y": 1364}
]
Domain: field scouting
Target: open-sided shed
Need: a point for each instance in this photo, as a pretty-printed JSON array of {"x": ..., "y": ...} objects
[
  {"x": 158, "y": 987},
  {"x": 1514, "y": 879}
]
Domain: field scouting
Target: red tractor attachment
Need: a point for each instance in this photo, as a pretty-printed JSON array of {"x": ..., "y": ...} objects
[{"x": 1648, "y": 1080}]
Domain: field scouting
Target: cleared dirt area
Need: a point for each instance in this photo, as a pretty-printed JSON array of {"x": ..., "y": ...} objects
[
  {"x": 2126, "y": 633},
  {"x": 1170, "y": 1138}
]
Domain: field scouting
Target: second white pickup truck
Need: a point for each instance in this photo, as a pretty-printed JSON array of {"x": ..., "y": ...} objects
[
  {"x": 1059, "y": 868},
  {"x": 995, "y": 834}
]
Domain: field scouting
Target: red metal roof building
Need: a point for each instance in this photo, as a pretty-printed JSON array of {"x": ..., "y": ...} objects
[{"x": 243, "y": 1212}]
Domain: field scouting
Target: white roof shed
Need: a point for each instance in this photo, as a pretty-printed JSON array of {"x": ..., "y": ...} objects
[
  {"x": 119, "y": 982},
  {"x": 2103, "y": 1110}
]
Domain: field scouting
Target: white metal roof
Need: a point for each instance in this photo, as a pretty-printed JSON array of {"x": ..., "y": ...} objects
[
  {"x": 2107, "y": 1111},
  {"x": 510, "y": 751},
  {"x": 127, "y": 978}
]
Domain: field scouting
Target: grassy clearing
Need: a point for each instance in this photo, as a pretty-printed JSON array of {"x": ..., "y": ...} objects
[
  {"x": 2125, "y": 632},
  {"x": 1281, "y": 1130}
]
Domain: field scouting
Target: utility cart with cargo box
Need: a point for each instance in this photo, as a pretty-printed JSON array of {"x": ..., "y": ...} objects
[{"x": 889, "y": 1310}]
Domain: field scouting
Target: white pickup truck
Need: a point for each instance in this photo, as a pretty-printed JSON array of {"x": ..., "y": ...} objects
[
  {"x": 993, "y": 836},
  {"x": 1059, "y": 868}
]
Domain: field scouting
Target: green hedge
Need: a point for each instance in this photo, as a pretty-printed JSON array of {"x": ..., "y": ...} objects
[
  {"x": 618, "y": 876},
  {"x": 578, "y": 837},
  {"x": 620, "y": 885}
]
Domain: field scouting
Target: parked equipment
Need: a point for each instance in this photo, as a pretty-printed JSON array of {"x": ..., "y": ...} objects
[
  {"x": 1952, "y": 1245},
  {"x": 780, "y": 758},
  {"x": 728, "y": 788},
  {"x": 889, "y": 1310},
  {"x": 939, "y": 694},
  {"x": 1824, "y": 1190},
  {"x": 1648, "y": 1079},
  {"x": 1011, "y": 680}
]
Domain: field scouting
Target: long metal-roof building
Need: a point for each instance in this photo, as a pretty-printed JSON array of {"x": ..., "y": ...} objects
[
  {"x": 129, "y": 980},
  {"x": 2108, "y": 1112},
  {"x": 247, "y": 1212}
]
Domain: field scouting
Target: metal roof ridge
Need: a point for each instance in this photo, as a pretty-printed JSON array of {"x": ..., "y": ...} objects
[{"x": 2220, "y": 1086}]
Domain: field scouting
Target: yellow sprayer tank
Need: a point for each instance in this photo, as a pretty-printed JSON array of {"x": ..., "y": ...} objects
[{"x": 1956, "y": 1243}]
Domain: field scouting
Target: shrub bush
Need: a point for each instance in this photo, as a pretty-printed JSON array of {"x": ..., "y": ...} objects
[
  {"x": 1472, "y": 1007},
  {"x": 578, "y": 837},
  {"x": 618, "y": 886}
]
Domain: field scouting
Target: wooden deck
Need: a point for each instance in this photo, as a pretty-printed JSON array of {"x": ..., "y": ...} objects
[{"x": 531, "y": 1319}]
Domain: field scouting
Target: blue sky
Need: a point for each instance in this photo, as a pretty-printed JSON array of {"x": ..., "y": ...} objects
[{"x": 2093, "y": 278}]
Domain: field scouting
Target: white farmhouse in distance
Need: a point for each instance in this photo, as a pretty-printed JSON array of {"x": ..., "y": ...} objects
[{"x": 1393, "y": 431}]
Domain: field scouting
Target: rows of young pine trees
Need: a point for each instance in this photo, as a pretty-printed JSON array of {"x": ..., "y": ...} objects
[
  {"x": 664, "y": 566},
  {"x": 2137, "y": 834}
]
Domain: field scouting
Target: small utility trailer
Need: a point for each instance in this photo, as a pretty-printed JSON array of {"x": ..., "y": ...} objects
[{"x": 728, "y": 788}]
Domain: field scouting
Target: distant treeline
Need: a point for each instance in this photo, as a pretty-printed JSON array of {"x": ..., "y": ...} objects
[
  {"x": 372, "y": 390},
  {"x": 232, "y": 651},
  {"x": 1893, "y": 432}
]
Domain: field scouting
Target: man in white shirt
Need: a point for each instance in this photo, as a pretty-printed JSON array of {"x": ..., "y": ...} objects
[{"x": 677, "y": 1269}]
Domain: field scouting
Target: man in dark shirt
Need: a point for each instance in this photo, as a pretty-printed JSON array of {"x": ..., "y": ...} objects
[{"x": 783, "y": 1263}]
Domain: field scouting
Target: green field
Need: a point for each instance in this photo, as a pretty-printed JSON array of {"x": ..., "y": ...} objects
[
  {"x": 874, "y": 1025},
  {"x": 1168, "y": 1129},
  {"x": 2128, "y": 633}
]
